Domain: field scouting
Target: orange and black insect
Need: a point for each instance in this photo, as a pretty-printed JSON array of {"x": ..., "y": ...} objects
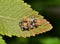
[{"x": 29, "y": 23}]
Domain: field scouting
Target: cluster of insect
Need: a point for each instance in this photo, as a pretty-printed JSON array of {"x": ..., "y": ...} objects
[{"x": 29, "y": 23}]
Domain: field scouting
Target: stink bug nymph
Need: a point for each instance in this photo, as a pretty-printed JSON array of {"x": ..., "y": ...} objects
[{"x": 29, "y": 23}]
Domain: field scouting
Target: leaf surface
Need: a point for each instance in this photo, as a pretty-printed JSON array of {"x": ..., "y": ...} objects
[
  {"x": 11, "y": 13},
  {"x": 2, "y": 41}
]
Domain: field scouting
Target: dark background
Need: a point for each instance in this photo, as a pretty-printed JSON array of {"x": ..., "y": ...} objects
[{"x": 50, "y": 9}]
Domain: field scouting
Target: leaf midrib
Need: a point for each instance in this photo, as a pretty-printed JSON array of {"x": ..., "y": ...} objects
[{"x": 8, "y": 18}]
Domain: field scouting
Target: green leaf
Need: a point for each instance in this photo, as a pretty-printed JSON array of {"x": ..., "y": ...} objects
[
  {"x": 51, "y": 41},
  {"x": 12, "y": 11},
  {"x": 2, "y": 41}
]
